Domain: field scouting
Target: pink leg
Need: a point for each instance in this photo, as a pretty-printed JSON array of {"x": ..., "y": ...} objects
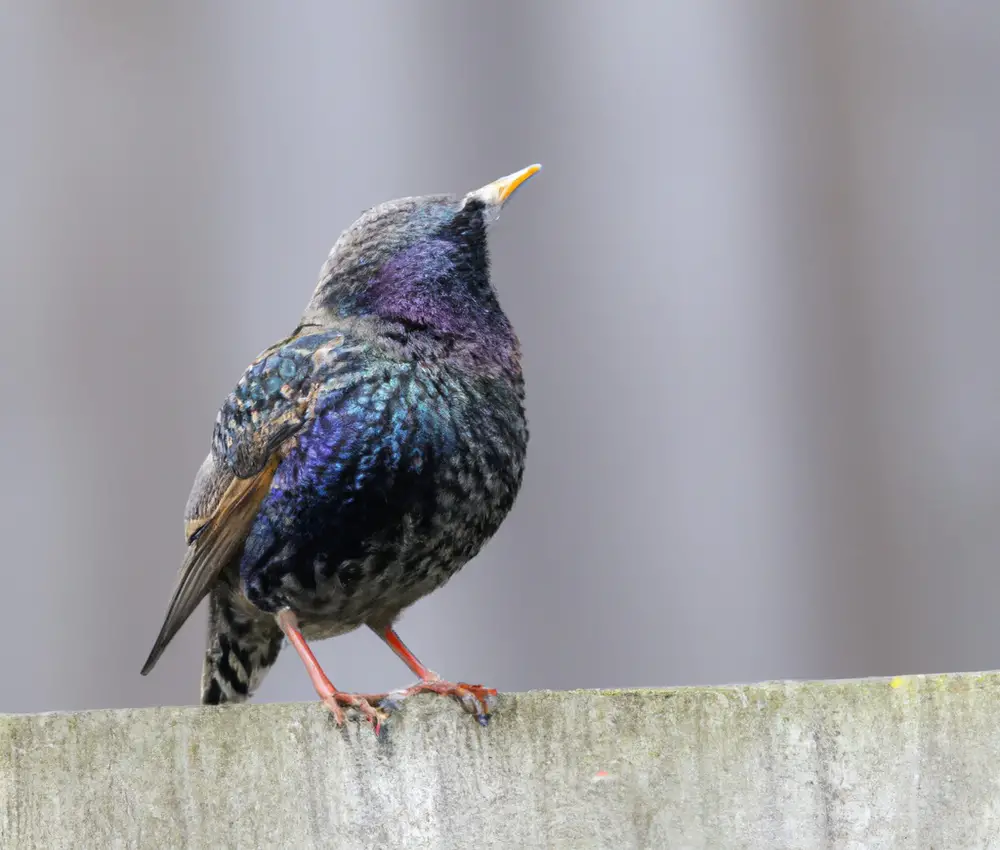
[
  {"x": 332, "y": 698},
  {"x": 475, "y": 699}
]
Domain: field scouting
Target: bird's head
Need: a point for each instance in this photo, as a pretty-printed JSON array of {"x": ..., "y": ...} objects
[{"x": 422, "y": 261}]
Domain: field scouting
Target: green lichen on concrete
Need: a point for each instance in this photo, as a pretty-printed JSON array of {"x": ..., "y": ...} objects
[{"x": 895, "y": 762}]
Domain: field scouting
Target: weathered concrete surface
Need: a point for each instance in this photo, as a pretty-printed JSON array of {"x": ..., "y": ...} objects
[{"x": 911, "y": 762}]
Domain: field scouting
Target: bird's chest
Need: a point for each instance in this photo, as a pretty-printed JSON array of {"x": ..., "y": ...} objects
[
  {"x": 431, "y": 466},
  {"x": 465, "y": 464},
  {"x": 477, "y": 473}
]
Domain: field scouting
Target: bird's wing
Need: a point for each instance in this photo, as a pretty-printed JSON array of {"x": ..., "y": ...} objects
[{"x": 272, "y": 401}]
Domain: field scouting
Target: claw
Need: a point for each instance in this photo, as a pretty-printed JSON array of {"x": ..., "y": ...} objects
[
  {"x": 335, "y": 710},
  {"x": 360, "y": 704},
  {"x": 478, "y": 700},
  {"x": 475, "y": 699}
]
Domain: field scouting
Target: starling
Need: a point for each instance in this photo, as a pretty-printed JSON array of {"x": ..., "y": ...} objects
[{"x": 363, "y": 460}]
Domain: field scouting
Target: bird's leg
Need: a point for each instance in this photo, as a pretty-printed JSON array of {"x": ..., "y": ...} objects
[
  {"x": 395, "y": 643},
  {"x": 475, "y": 699},
  {"x": 332, "y": 698}
]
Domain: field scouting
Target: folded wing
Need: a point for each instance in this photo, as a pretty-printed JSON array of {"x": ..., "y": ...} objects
[{"x": 265, "y": 411}]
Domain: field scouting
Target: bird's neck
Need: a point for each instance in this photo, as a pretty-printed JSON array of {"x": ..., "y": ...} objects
[
  {"x": 450, "y": 323},
  {"x": 487, "y": 346}
]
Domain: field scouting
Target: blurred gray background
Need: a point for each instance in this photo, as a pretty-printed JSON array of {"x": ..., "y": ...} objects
[{"x": 756, "y": 286}]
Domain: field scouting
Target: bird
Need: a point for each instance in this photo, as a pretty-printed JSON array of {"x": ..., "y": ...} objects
[{"x": 363, "y": 460}]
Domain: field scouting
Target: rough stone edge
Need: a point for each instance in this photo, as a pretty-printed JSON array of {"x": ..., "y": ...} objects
[{"x": 916, "y": 681}]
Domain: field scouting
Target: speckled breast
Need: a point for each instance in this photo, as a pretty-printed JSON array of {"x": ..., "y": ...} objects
[{"x": 398, "y": 481}]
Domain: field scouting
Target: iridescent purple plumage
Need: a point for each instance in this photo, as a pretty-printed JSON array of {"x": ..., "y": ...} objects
[{"x": 360, "y": 463}]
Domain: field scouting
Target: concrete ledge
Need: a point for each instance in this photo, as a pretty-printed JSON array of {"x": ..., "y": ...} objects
[{"x": 911, "y": 762}]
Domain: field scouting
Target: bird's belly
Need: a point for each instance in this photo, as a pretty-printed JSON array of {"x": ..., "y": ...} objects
[
  {"x": 343, "y": 548},
  {"x": 407, "y": 562},
  {"x": 335, "y": 607}
]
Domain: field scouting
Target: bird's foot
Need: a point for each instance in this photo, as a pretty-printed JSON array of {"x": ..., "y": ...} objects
[
  {"x": 336, "y": 701},
  {"x": 475, "y": 699},
  {"x": 331, "y": 697}
]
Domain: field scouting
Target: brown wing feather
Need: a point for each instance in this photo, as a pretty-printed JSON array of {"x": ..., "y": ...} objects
[
  {"x": 268, "y": 406},
  {"x": 215, "y": 538}
]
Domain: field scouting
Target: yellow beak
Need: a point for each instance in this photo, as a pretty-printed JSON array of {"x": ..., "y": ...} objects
[{"x": 499, "y": 191}]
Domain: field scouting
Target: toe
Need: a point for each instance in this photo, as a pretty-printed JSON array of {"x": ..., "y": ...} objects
[
  {"x": 335, "y": 709},
  {"x": 477, "y": 700},
  {"x": 485, "y": 699},
  {"x": 373, "y": 715},
  {"x": 470, "y": 701}
]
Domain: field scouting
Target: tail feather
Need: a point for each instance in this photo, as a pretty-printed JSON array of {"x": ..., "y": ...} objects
[{"x": 243, "y": 645}]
